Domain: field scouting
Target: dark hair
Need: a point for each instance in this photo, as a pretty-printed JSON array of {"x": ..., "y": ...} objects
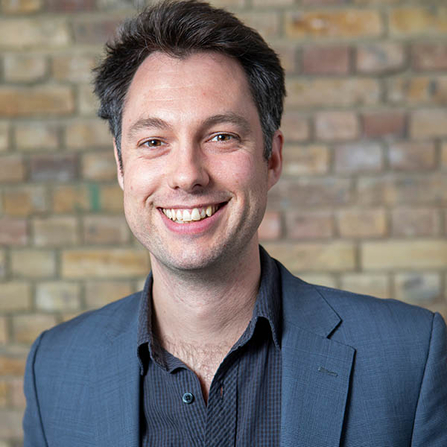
[{"x": 180, "y": 29}]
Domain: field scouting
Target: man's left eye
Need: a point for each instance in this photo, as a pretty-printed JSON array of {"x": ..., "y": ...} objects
[{"x": 223, "y": 137}]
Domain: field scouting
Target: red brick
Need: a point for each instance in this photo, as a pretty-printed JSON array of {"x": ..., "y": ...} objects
[
  {"x": 12, "y": 169},
  {"x": 418, "y": 287},
  {"x": 73, "y": 67},
  {"x": 2, "y": 265},
  {"x": 362, "y": 223},
  {"x": 288, "y": 55},
  {"x": 54, "y": 167},
  {"x": 380, "y": 58},
  {"x": 429, "y": 56},
  {"x": 55, "y": 231},
  {"x": 105, "y": 230},
  {"x": 20, "y": 6},
  {"x": 17, "y": 396},
  {"x": 270, "y": 228},
  {"x": 99, "y": 165},
  {"x": 94, "y": 30},
  {"x": 444, "y": 156},
  {"x": 31, "y": 136},
  {"x": 377, "y": 285},
  {"x": 24, "y": 67},
  {"x": 415, "y": 222},
  {"x": 332, "y": 92},
  {"x": 428, "y": 123},
  {"x": 100, "y": 293},
  {"x": 275, "y": 3},
  {"x": 32, "y": 101},
  {"x": 383, "y": 124},
  {"x": 418, "y": 90},
  {"x": 21, "y": 201},
  {"x": 336, "y": 126},
  {"x": 69, "y": 5},
  {"x": 302, "y": 160},
  {"x": 309, "y": 224},
  {"x": 295, "y": 126},
  {"x": 317, "y": 191},
  {"x": 410, "y": 155},
  {"x": 358, "y": 157},
  {"x": 325, "y": 60},
  {"x": 338, "y": 23},
  {"x": 414, "y": 21},
  {"x": 13, "y": 231}
]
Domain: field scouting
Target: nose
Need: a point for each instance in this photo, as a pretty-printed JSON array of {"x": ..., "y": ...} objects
[{"x": 189, "y": 171}]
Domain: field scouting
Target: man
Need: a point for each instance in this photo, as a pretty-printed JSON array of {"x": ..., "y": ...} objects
[{"x": 223, "y": 346}]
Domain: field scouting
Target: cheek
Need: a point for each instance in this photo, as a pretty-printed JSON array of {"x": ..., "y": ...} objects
[{"x": 139, "y": 178}]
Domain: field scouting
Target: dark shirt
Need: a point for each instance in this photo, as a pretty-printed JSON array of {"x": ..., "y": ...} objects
[{"x": 244, "y": 403}]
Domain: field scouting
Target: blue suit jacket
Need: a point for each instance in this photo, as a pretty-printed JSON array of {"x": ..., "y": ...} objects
[{"x": 357, "y": 371}]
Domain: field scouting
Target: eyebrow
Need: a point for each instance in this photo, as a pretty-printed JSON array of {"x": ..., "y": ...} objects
[{"x": 158, "y": 123}]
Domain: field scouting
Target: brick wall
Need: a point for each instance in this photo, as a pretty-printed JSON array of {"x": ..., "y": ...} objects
[{"x": 362, "y": 204}]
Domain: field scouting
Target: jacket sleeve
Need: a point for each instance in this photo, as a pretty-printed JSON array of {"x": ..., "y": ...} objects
[
  {"x": 34, "y": 435},
  {"x": 430, "y": 424}
]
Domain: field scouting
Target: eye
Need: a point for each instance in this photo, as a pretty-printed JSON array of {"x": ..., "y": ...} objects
[
  {"x": 223, "y": 137},
  {"x": 152, "y": 143}
]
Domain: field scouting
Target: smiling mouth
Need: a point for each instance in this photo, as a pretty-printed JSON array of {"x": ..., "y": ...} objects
[{"x": 188, "y": 215}]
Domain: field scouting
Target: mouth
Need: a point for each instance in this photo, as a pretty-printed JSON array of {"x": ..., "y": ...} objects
[{"x": 189, "y": 215}]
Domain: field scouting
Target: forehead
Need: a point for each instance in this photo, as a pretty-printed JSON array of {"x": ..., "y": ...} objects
[{"x": 201, "y": 80}]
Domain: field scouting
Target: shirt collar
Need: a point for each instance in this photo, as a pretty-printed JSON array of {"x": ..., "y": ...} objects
[{"x": 268, "y": 307}]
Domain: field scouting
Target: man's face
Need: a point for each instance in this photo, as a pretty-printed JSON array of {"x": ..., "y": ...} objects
[{"x": 194, "y": 177}]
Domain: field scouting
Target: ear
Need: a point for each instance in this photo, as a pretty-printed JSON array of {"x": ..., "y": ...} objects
[
  {"x": 119, "y": 169},
  {"x": 275, "y": 160}
]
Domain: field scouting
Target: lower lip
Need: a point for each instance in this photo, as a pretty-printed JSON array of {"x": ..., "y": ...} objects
[{"x": 194, "y": 227}]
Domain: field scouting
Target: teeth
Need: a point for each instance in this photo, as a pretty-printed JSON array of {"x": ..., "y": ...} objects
[{"x": 188, "y": 215}]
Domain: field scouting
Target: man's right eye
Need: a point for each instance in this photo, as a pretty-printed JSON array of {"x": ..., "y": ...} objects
[{"x": 152, "y": 143}]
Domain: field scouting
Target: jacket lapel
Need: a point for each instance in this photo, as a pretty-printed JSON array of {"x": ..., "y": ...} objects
[{"x": 316, "y": 370}]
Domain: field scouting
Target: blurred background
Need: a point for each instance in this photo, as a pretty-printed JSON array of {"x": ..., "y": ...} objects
[{"x": 362, "y": 204}]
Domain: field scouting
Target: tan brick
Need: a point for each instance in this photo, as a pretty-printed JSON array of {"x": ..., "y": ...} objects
[
  {"x": 324, "y": 257},
  {"x": 295, "y": 126},
  {"x": 262, "y": 3},
  {"x": 376, "y": 2},
  {"x": 94, "y": 30},
  {"x": 4, "y": 336},
  {"x": 379, "y": 58},
  {"x": 34, "y": 33},
  {"x": 322, "y": 2},
  {"x": 384, "y": 124},
  {"x": 2, "y": 264},
  {"x": 20, "y": 6},
  {"x": 332, "y": 92},
  {"x": 73, "y": 67},
  {"x": 87, "y": 101},
  {"x": 418, "y": 287},
  {"x": 429, "y": 56},
  {"x": 309, "y": 224},
  {"x": 411, "y": 155},
  {"x": 418, "y": 90},
  {"x": 349, "y": 23},
  {"x": 88, "y": 134},
  {"x": 46, "y": 100},
  {"x": 17, "y": 396},
  {"x": 11, "y": 365},
  {"x": 100, "y": 293},
  {"x": 12, "y": 168},
  {"x": 73, "y": 199},
  {"x": 4, "y": 136},
  {"x": 288, "y": 55},
  {"x": 99, "y": 165},
  {"x": 392, "y": 190},
  {"x": 358, "y": 157},
  {"x": 320, "y": 279},
  {"x": 105, "y": 230},
  {"x": 411, "y": 222},
  {"x": 413, "y": 21},
  {"x": 111, "y": 198},
  {"x": 30, "y": 136},
  {"x": 104, "y": 263},
  {"x": 312, "y": 159},
  {"x": 54, "y": 167},
  {"x": 219, "y": 3},
  {"x": 24, "y": 200},
  {"x": 15, "y": 296},
  {"x": 55, "y": 231},
  {"x": 266, "y": 23},
  {"x": 10, "y": 424},
  {"x": 13, "y": 231},
  {"x": 4, "y": 393},
  {"x": 391, "y": 255},
  {"x": 428, "y": 123},
  {"x": 24, "y": 67},
  {"x": 270, "y": 228},
  {"x": 33, "y": 263},
  {"x": 444, "y": 156},
  {"x": 325, "y": 60},
  {"x": 58, "y": 296},
  {"x": 336, "y": 126},
  {"x": 362, "y": 223},
  {"x": 367, "y": 284},
  {"x": 68, "y": 6},
  {"x": 27, "y": 328}
]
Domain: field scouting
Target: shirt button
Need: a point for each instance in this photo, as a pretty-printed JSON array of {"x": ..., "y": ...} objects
[{"x": 188, "y": 398}]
